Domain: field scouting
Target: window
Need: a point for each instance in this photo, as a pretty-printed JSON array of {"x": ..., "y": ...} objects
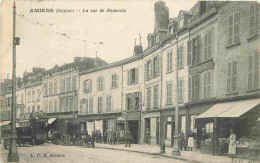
[
  {"x": 33, "y": 96},
  {"x": 74, "y": 81},
  {"x": 87, "y": 106},
  {"x": 90, "y": 105},
  {"x": 50, "y": 88},
  {"x": 254, "y": 19},
  {"x": 253, "y": 71},
  {"x": 100, "y": 106},
  {"x": 148, "y": 68},
  {"x": 150, "y": 43},
  {"x": 233, "y": 28},
  {"x": 157, "y": 38},
  {"x": 195, "y": 51},
  {"x": 87, "y": 85},
  {"x": 232, "y": 77},
  {"x": 129, "y": 101},
  {"x": 170, "y": 29},
  {"x": 180, "y": 90},
  {"x": 156, "y": 66},
  {"x": 194, "y": 88},
  {"x": 181, "y": 23},
  {"x": 100, "y": 84},
  {"x": 209, "y": 128},
  {"x": 55, "y": 86},
  {"x": 169, "y": 61},
  {"x": 114, "y": 79},
  {"x": 108, "y": 100},
  {"x": 180, "y": 57},
  {"x": 55, "y": 105},
  {"x": 148, "y": 99},
  {"x": 137, "y": 100},
  {"x": 50, "y": 106},
  {"x": 70, "y": 104},
  {"x": 38, "y": 95},
  {"x": 68, "y": 84},
  {"x": 192, "y": 122},
  {"x": 208, "y": 51},
  {"x": 22, "y": 98},
  {"x": 46, "y": 89},
  {"x": 152, "y": 68},
  {"x": 169, "y": 93},
  {"x": 62, "y": 86},
  {"x": 155, "y": 97},
  {"x": 207, "y": 84},
  {"x": 29, "y": 97},
  {"x": 133, "y": 75}
]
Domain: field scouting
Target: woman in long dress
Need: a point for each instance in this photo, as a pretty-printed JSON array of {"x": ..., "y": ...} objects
[
  {"x": 232, "y": 143},
  {"x": 190, "y": 142}
]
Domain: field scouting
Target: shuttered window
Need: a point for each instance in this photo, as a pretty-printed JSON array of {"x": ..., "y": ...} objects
[
  {"x": 254, "y": 19},
  {"x": 180, "y": 57},
  {"x": 108, "y": 101},
  {"x": 148, "y": 98},
  {"x": 100, "y": 104},
  {"x": 90, "y": 105},
  {"x": 207, "y": 84},
  {"x": 133, "y": 76},
  {"x": 233, "y": 28},
  {"x": 189, "y": 52},
  {"x": 190, "y": 89},
  {"x": 195, "y": 87},
  {"x": 208, "y": 51},
  {"x": 253, "y": 71},
  {"x": 180, "y": 90},
  {"x": 232, "y": 76},
  {"x": 68, "y": 84},
  {"x": 114, "y": 81},
  {"x": 169, "y": 93},
  {"x": 195, "y": 50},
  {"x": 169, "y": 61},
  {"x": 100, "y": 83},
  {"x": 155, "y": 97}
]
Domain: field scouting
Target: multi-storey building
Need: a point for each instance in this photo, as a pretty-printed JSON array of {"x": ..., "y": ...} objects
[{"x": 60, "y": 90}]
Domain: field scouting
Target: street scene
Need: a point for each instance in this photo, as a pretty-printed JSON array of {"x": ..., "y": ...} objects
[{"x": 148, "y": 81}]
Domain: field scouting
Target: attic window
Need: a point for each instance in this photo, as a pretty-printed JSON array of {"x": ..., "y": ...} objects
[
  {"x": 157, "y": 39},
  {"x": 181, "y": 23},
  {"x": 150, "y": 43},
  {"x": 170, "y": 29}
]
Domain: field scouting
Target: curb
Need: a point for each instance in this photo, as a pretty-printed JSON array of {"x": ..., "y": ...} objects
[{"x": 154, "y": 154}]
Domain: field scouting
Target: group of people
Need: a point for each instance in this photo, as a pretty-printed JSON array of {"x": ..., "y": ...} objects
[{"x": 186, "y": 144}]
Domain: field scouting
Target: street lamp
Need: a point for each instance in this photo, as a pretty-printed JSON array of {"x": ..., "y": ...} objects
[
  {"x": 13, "y": 153},
  {"x": 176, "y": 148}
]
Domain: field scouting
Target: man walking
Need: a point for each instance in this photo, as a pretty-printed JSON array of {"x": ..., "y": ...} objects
[
  {"x": 128, "y": 138},
  {"x": 93, "y": 137}
]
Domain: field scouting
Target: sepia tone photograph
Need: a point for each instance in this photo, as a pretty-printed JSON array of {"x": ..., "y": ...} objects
[{"x": 128, "y": 81}]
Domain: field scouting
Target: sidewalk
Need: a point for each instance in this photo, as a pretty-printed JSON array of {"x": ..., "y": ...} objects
[{"x": 189, "y": 156}]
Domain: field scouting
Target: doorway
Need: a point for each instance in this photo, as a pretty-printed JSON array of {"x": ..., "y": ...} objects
[
  {"x": 147, "y": 127},
  {"x": 133, "y": 127}
]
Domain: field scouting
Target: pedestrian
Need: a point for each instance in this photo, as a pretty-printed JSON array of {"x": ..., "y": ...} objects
[
  {"x": 232, "y": 143},
  {"x": 113, "y": 137},
  {"x": 93, "y": 137},
  {"x": 148, "y": 136},
  {"x": 99, "y": 136},
  {"x": 182, "y": 141},
  {"x": 128, "y": 138},
  {"x": 96, "y": 136},
  {"x": 105, "y": 137},
  {"x": 190, "y": 142},
  {"x": 109, "y": 137}
]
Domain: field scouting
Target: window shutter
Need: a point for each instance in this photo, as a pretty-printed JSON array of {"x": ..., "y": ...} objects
[
  {"x": 205, "y": 85},
  {"x": 236, "y": 27},
  {"x": 126, "y": 101},
  {"x": 189, "y": 53},
  {"x": 145, "y": 71},
  {"x": 140, "y": 100},
  {"x": 196, "y": 87},
  {"x": 90, "y": 85},
  {"x": 234, "y": 76},
  {"x": 190, "y": 89},
  {"x": 136, "y": 74},
  {"x": 252, "y": 20},
  {"x": 230, "y": 29},
  {"x": 128, "y": 77},
  {"x": 84, "y": 85},
  {"x": 210, "y": 43},
  {"x": 250, "y": 72},
  {"x": 178, "y": 57},
  {"x": 117, "y": 80},
  {"x": 257, "y": 17},
  {"x": 151, "y": 68},
  {"x": 159, "y": 66},
  {"x": 103, "y": 83},
  {"x": 206, "y": 46},
  {"x": 87, "y": 106},
  {"x": 256, "y": 70},
  {"x": 229, "y": 77},
  {"x": 198, "y": 49}
]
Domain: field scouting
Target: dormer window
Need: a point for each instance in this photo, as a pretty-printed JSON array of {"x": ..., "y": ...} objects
[
  {"x": 203, "y": 7},
  {"x": 181, "y": 22},
  {"x": 157, "y": 39},
  {"x": 170, "y": 29},
  {"x": 150, "y": 43}
]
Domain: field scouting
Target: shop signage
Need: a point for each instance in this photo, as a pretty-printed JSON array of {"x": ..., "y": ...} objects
[{"x": 202, "y": 67}]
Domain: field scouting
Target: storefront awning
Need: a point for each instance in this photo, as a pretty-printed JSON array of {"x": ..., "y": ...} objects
[
  {"x": 50, "y": 120},
  {"x": 230, "y": 109},
  {"x": 5, "y": 123}
]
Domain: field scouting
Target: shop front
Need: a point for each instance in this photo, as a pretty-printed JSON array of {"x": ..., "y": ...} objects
[
  {"x": 152, "y": 126},
  {"x": 214, "y": 128},
  {"x": 133, "y": 123}
]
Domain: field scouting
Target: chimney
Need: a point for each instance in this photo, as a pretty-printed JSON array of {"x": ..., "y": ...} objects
[{"x": 161, "y": 13}]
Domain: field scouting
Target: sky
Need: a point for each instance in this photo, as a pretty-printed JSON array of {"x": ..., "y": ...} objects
[{"x": 54, "y": 38}]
